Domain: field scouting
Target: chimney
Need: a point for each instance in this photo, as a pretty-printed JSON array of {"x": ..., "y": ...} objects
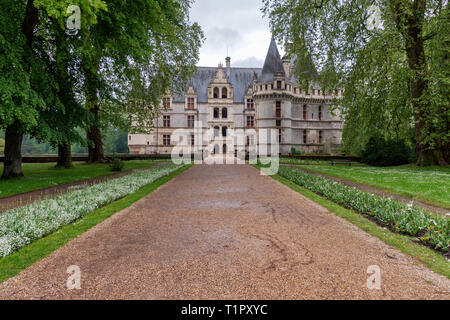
[
  {"x": 228, "y": 63},
  {"x": 287, "y": 60},
  {"x": 287, "y": 66}
]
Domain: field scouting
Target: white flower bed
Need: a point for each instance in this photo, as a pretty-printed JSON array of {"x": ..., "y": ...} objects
[{"x": 21, "y": 226}]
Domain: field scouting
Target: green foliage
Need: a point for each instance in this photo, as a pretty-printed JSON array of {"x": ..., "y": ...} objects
[
  {"x": 44, "y": 175},
  {"x": 429, "y": 185},
  {"x": 433, "y": 260},
  {"x": 115, "y": 141},
  {"x": 116, "y": 164},
  {"x": 297, "y": 152},
  {"x": 389, "y": 90},
  {"x": 383, "y": 153},
  {"x": 400, "y": 217}
]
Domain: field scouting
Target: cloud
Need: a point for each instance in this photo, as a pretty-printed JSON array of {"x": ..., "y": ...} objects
[
  {"x": 223, "y": 37},
  {"x": 236, "y": 27},
  {"x": 252, "y": 62}
]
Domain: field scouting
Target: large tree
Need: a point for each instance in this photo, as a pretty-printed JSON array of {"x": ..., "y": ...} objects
[
  {"x": 391, "y": 56},
  {"x": 27, "y": 85},
  {"x": 135, "y": 45}
]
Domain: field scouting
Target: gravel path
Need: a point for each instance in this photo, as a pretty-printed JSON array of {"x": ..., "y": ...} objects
[
  {"x": 377, "y": 191},
  {"x": 226, "y": 232}
]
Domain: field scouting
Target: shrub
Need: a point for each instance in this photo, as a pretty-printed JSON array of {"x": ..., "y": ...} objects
[
  {"x": 400, "y": 217},
  {"x": 297, "y": 152},
  {"x": 381, "y": 152},
  {"x": 116, "y": 164}
]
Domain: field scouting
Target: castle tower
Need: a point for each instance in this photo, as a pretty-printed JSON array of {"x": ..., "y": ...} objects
[{"x": 273, "y": 100}]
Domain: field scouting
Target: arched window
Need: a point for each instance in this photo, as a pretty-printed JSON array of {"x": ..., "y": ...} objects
[
  {"x": 224, "y": 93},
  {"x": 216, "y": 113},
  {"x": 304, "y": 136},
  {"x": 320, "y": 112},
  {"x": 224, "y": 131},
  {"x": 216, "y": 93},
  {"x": 216, "y": 131},
  {"x": 216, "y": 149},
  {"x": 305, "y": 110},
  {"x": 224, "y": 113}
]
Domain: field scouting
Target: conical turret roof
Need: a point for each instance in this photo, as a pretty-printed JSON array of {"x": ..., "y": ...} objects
[{"x": 272, "y": 64}]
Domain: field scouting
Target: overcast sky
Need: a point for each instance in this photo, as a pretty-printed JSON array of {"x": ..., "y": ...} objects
[{"x": 236, "y": 25}]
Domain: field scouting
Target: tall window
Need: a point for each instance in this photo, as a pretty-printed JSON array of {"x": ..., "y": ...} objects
[
  {"x": 166, "y": 121},
  {"x": 224, "y": 93},
  {"x": 250, "y": 104},
  {"x": 295, "y": 90},
  {"x": 278, "y": 123},
  {"x": 224, "y": 113},
  {"x": 250, "y": 121},
  {"x": 278, "y": 84},
  {"x": 278, "y": 109},
  {"x": 305, "y": 110},
  {"x": 216, "y": 113},
  {"x": 304, "y": 136},
  {"x": 192, "y": 140},
  {"x": 216, "y": 93},
  {"x": 190, "y": 121},
  {"x": 216, "y": 131},
  {"x": 320, "y": 112},
  {"x": 320, "y": 136},
  {"x": 224, "y": 131},
  {"x": 279, "y": 135},
  {"x": 166, "y": 140},
  {"x": 191, "y": 103},
  {"x": 166, "y": 103}
]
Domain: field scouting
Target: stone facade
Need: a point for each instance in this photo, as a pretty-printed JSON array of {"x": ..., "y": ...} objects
[{"x": 224, "y": 99}]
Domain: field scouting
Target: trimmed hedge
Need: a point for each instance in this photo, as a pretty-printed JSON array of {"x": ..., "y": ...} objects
[{"x": 407, "y": 219}]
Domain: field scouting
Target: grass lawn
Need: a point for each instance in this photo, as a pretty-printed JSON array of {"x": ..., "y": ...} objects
[
  {"x": 428, "y": 184},
  {"x": 25, "y": 257},
  {"x": 43, "y": 175},
  {"x": 433, "y": 260}
]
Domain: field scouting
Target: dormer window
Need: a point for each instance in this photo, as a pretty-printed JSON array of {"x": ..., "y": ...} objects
[
  {"x": 166, "y": 103},
  {"x": 278, "y": 84},
  {"x": 250, "y": 104},
  {"x": 191, "y": 103}
]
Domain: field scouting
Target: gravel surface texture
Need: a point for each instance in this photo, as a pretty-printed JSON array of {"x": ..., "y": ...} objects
[{"x": 226, "y": 232}]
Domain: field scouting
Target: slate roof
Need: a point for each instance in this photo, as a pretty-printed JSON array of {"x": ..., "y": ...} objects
[
  {"x": 272, "y": 64},
  {"x": 240, "y": 79}
]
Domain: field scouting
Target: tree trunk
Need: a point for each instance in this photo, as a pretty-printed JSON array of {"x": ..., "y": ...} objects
[
  {"x": 409, "y": 21},
  {"x": 95, "y": 144},
  {"x": 64, "y": 156},
  {"x": 12, "y": 166}
]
